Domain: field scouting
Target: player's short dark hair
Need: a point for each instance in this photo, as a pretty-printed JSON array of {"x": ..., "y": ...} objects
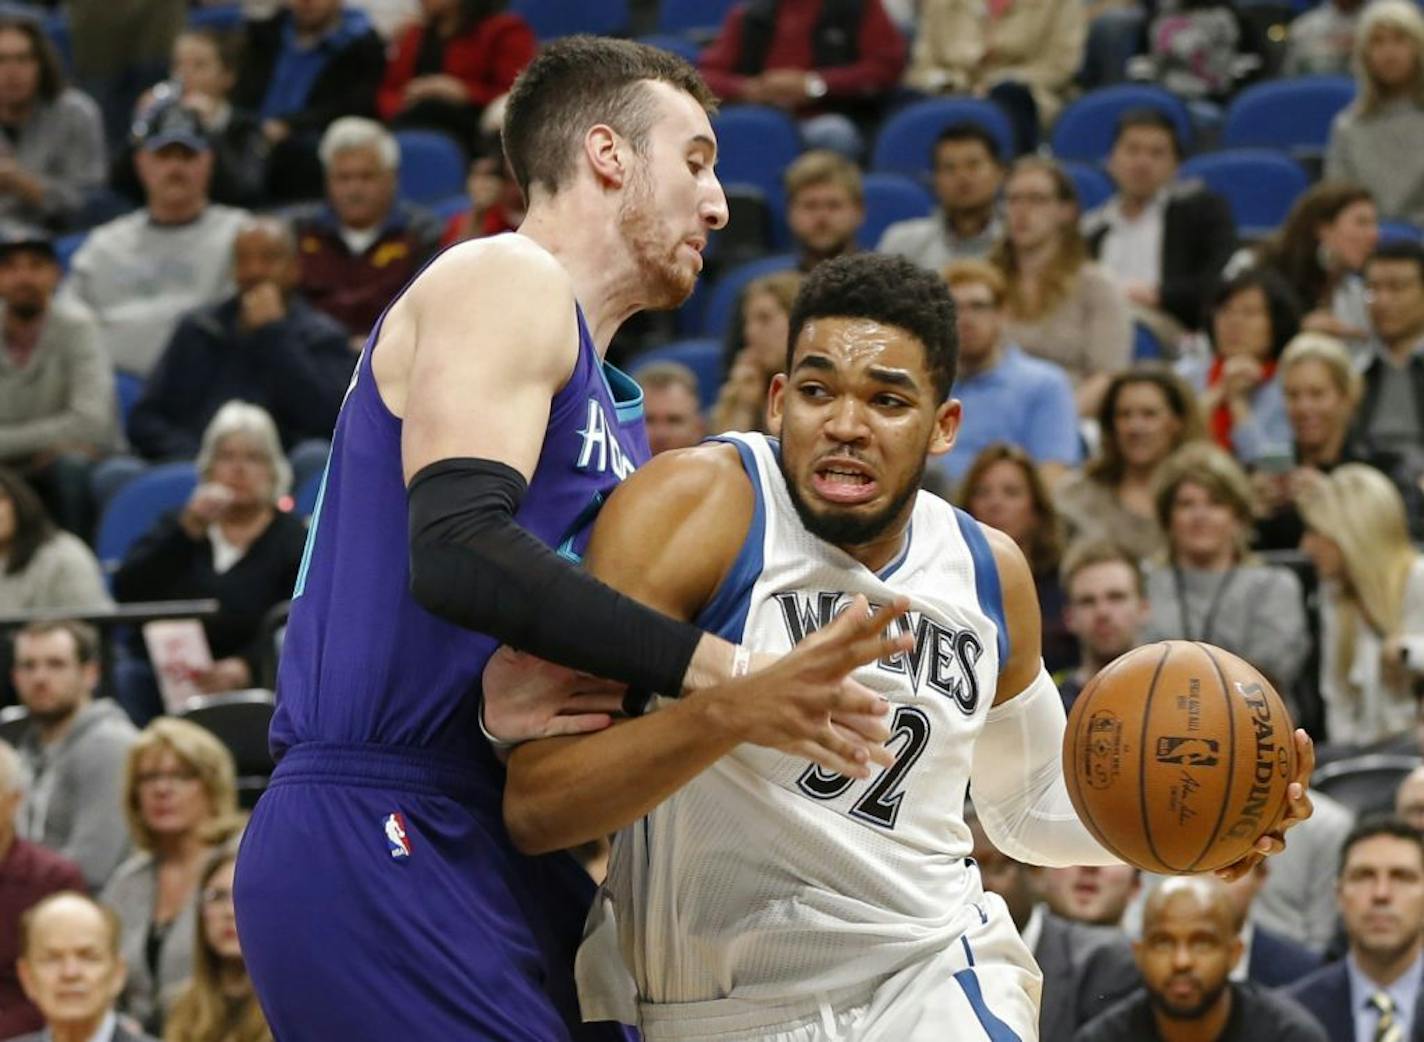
[
  {"x": 966, "y": 130},
  {"x": 888, "y": 290},
  {"x": 1151, "y": 118},
  {"x": 1399, "y": 250},
  {"x": 575, "y": 83},
  {"x": 1375, "y": 825}
]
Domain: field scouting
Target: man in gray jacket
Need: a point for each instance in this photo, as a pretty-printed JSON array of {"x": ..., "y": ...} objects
[
  {"x": 74, "y": 748},
  {"x": 57, "y": 407}
]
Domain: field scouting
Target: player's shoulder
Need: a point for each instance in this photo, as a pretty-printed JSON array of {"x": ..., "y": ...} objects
[
  {"x": 709, "y": 476},
  {"x": 510, "y": 268}
]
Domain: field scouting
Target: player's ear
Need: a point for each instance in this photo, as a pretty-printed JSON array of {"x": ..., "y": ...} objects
[
  {"x": 946, "y": 427},
  {"x": 604, "y": 150},
  {"x": 775, "y": 403}
]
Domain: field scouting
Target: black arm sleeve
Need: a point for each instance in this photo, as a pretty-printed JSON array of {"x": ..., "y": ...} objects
[{"x": 471, "y": 564}]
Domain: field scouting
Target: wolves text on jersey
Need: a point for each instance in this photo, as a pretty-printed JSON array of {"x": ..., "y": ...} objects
[
  {"x": 943, "y": 658},
  {"x": 600, "y": 450}
]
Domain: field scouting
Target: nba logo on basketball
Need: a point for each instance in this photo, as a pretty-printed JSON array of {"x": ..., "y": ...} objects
[{"x": 397, "y": 835}]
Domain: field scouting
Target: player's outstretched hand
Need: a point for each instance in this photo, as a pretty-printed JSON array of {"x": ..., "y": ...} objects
[
  {"x": 1298, "y": 808},
  {"x": 528, "y": 698},
  {"x": 806, "y": 704}
]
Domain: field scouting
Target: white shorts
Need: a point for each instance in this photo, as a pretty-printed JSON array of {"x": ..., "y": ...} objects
[{"x": 984, "y": 988}]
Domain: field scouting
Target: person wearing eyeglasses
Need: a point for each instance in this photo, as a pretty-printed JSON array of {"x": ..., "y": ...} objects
[
  {"x": 219, "y": 1004},
  {"x": 179, "y": 796}
]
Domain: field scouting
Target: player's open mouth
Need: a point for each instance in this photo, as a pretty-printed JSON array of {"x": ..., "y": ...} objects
[{"x": 844, "y": 481}]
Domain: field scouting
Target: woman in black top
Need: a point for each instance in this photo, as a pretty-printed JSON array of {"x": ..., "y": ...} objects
[{"x": 230, "y": 542}]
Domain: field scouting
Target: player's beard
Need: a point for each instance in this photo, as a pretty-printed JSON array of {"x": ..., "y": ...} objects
[
  {"x": 665, "y": 282},
  {"x": 841, "y": 527},
  {"x": 1192, "y": 1012}
]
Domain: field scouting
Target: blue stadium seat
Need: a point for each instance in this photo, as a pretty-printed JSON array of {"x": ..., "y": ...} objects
[
  {"x": 553, "y": 18},
  {"x": 450, "y": 206},
  {"x": 127, "y": 388},
  {"x": 682, "y": 46},
  {"x": 135, "y": 508},
  {"x": 890, "y": 198},
  {"x": 1260, "y": 184},
  {"x": 432, "y": 166},
  {"x": 907, "y": 138},
  {"x": 1393, "y": 231},
  {"x": 692, "y": 16},
  {"x": 1293, "y": 114},
  {"x": 722, "y": 303},
  {"x": 219, "y": 19},
  {"x": 1093, "y": 185},
  {"x": 755, "y": 145},
  {"x": 1086, "y": 128},
  {"x": 66, "y": 246},
  {"x": 1145, "y": 345},
  {"x": 56, "y": 27},
  {"x": 304, "y": 496},
  {"x": 703, "y": 355}
]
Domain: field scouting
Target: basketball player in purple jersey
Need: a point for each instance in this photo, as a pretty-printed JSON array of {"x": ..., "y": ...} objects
[{"x": 378, "y": 895}]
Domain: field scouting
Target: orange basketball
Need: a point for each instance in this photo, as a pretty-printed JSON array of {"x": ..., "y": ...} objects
[{"x": 1178, "y": 756}]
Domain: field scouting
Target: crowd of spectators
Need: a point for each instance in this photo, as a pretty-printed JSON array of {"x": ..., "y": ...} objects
[{"x": 199, "y": 228}]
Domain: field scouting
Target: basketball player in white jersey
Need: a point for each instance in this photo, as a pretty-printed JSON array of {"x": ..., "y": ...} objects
[{"x": 755, "y": 896}]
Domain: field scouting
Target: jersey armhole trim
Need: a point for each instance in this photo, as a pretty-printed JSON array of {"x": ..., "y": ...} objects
[
  {"x": 986, "y": 578},
  {"x": 725, "y": 615}
]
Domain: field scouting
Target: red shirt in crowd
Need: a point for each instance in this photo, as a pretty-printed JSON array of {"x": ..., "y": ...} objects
[
  {"x": 877, "y": 69},
  {"x": 486, "y": 59},
  {"x": 28, "y": 873}
]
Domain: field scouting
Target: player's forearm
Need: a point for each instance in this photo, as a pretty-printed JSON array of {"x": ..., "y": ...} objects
[
  {"x": 1018, "y": 786},
  {"x": 561, "y": 792}
]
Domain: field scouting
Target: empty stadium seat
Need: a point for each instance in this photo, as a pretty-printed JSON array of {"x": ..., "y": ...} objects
[
  {"x": 703, "y": 355},
  {"x": 1145, "y": 345},
  {"x": 702, "y": 17},
  {"x": 304, "y": 496},
  {"x": 1086, "y": 128},
  {"x": 432, "y": 166},
  {"x": 1364, "y": 783},
  {"x": 135, "y": 508},
  {"x": 1293, "y": 114},
  {"x": 682, "y": 46},
  {"x": 240, "y": 720},
  {"x": 755, "y": 145},
  {"x": 722, "y": 302},
  {"x": 1260, "y": 184},
  {"x": 220, "y": 18},
  {"x": 890, "y": 198},
  {"x": 1393, "y": 231},
  {"x": 450, "y": 206},
  {"x": 906, "y": 139},
  {"x": 1093, "y": 185},
  {"x": 553, "y": 18},
  {"x": 127, "y": 388}
]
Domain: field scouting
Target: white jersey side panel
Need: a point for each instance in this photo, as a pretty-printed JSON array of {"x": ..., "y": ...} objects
[{"x": 766, "y": 877}]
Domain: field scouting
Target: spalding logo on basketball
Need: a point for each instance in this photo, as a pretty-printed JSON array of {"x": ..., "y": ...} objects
[{"x": 1178, "y": 756}]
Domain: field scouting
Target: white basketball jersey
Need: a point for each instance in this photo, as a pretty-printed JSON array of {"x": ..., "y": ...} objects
[{"x": 766, "y": 877}]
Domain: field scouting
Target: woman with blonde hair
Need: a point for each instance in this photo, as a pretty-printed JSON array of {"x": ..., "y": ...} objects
[
  {"x": 1375, "y": 142},
  {"x": 1005, "y": 489},
  {"x": 1062, "y": 306},
  {"x": 1321, "y": 388},
  {"x": 756, "y": 351},
  {"x": 1208, "y": 587},
  {"x": 180, "y": 794},
  {"x": 1372, "y": 603},
  {"x": 219, "y": 1004},
  {"x": 1146, "y": 414}
]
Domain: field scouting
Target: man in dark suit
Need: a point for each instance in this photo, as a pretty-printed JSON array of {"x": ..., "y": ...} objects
[
  {"x": 71, "y": 970},
  {"x": 1372, "y": 995},
  {"x": 1085, "y": 968},
  {"x": 1271, "y": 960},
  {"x": 1165, "y": 243}
]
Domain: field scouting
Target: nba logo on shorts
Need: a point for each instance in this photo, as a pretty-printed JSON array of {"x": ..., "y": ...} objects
[{"x": 397, "y": 835}]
